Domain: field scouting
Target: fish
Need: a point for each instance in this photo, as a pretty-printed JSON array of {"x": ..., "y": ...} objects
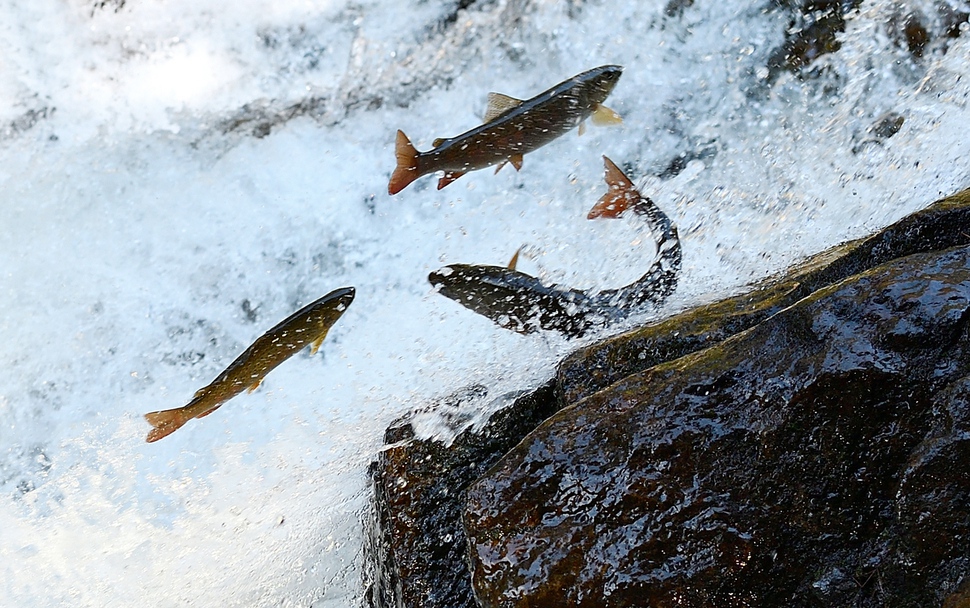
[
  {"x": 511, "y": 129},
  {"x": 523, "y": 303},
  {"x": 306, "y": 327}
]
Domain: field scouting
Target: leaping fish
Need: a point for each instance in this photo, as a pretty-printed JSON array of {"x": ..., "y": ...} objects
[
  {"x": 306, "y": 327},
  {"x": 512, "y": 128},
  {"x": 522, "y": 303}
]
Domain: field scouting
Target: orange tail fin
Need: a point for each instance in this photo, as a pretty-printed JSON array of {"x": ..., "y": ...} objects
[
  {"x": 165, "y": 422},
  {"x": 407, "y": 164},
  {"x": 620, "y": 196}
]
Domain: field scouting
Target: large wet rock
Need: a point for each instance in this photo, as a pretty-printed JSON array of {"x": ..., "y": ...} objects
[
  {"x": 818, "y": 458},
  {"x": 416, "y": 551}
]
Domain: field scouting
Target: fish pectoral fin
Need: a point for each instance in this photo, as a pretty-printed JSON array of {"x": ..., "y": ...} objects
[
  {"x": 516, "y": 160},
  {"x": 515, "y": 259},
  {"x": 604, "y": 116},
  {"x": 252, "y": 387},
  {"x": 449, "y": 177},
  {"x": 437, "y": 142},
  {"x": 582, "y": 127},
  {"x": 499, "y": 104},
  {"x": 315, "y": 345}
]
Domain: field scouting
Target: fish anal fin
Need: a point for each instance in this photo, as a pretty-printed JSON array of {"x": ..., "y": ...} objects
[
  {"x": 251, "y": 388},
  {"x": 214, "y": 408},
  {"x": 315, "y": 345},
  {"x": 449, "y": 177},
  {"x": 582, "y": 127},
  {"x": 499, "y": 167},
  {"x": 499, "y": 104},
  {"x": 407, "y": 164},
  {"x": 516, "y": 160},
  {"x": 164, "y": 423},
  {"x": 605, "y": 116},
  {"x": 437, "y": 142}
]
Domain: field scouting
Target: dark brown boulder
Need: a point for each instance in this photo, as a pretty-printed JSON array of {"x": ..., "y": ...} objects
[
  {"x": 416, "y": 549},
  {"x": 942, "y": 225},
  {"x": 816, "y": 459}
]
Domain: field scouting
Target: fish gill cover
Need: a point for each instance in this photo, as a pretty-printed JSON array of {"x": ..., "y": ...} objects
[{"x": 178, "y": 176}]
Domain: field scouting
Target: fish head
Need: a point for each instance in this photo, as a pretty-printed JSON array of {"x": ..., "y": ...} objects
[
  {"x": 512, "y": 299},
  {"x": 598, "y": 83},
  {"x": 340, "y": 299}
]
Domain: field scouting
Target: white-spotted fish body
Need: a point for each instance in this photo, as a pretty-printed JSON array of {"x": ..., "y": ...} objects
[{"x": 306, "y": 327}]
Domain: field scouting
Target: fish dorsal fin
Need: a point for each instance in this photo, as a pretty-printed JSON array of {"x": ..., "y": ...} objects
[
  {"x": 499, "y": 104},
  {"x": 604, "y": 116},
  {"x": 515, "y": 259},
  {"x": 437, "y": 142}
]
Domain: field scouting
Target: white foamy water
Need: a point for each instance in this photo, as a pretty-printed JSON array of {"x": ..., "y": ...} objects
[{"x": 149, "y": 236}]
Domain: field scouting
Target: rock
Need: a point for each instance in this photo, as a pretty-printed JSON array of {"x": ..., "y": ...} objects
[
  {"x": 416, "y": 553},
  {"x": 818, "y": 458},
  {"x": 939, "y": 226}
]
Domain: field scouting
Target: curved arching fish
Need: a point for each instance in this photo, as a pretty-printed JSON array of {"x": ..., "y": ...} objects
[
  {"x": 522, "y": 303},
  {"x": 306, "y": 327},
  {"x": 512, "y": 128}
]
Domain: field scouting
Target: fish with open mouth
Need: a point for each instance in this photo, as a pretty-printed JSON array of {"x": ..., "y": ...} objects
[
  {"x": 522, "y": 303},
  {"x": 306, "y": 327},
  {"x": 511, "y": 129}
]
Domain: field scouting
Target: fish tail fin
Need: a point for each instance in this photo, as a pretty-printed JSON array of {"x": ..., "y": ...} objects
[
  {"x": 620, "y": 195},
  {"x": 407, "y": 164},
  {"x": 164, "y": 423}
]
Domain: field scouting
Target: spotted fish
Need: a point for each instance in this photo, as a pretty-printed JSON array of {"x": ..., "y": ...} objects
[{"x": 512, "y": 128}]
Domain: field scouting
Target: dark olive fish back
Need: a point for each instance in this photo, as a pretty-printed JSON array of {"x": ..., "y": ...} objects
[
  {"x": 525, "y": 126},
  {"x": 528, "y": 126},
  {"x": 307, "y": 326}
]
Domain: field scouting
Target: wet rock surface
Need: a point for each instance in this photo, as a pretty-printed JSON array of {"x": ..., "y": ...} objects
[
  {"x": 816, "y": 459},
  {"x": 416, "y": 551},
  {"x": 804, "y": 443},
  {"x": 942, "y": 225}
]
